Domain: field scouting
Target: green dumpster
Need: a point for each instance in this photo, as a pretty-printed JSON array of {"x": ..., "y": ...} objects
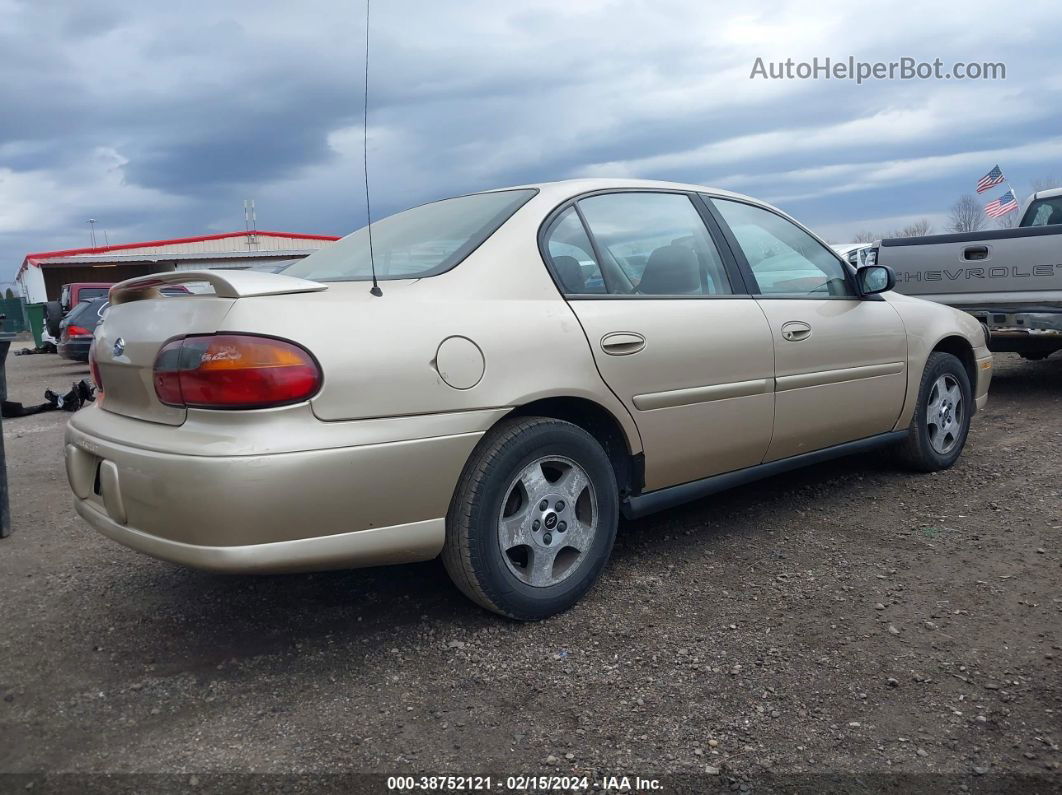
[
  {"x": 35, "y": 314},
  {"x": 11, "y": 311}
]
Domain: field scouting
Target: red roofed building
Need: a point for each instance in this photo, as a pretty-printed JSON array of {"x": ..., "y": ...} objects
[{"x": 43, "y": 274}]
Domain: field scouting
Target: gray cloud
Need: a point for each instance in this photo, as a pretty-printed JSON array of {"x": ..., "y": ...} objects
[{"x": 158, "y": 120}]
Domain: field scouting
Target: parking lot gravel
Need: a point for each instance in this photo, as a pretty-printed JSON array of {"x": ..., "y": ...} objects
[{"x": 847, "y": 619}]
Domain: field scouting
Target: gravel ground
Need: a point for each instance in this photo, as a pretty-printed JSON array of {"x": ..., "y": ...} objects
[{"x": 847, "y": 619}]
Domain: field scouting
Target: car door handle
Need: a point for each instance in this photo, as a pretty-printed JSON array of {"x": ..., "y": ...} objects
[
  {"x": 795, "y": 331},
  {"x": 975, "y": 253},
  {"x": 622, "y": 343}
]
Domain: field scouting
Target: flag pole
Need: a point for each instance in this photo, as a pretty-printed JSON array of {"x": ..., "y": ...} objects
[
  {"x": 1016, "y": 201},
  {"x": 1015, "y": 194}
]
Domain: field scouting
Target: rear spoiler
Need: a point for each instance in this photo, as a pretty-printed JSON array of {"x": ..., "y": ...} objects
[{"x": 226, "y": 284}]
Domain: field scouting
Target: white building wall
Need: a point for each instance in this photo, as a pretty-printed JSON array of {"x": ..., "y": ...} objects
[
  {"x": 268, "y": 264},
  {"x": 32, "y": 283}
]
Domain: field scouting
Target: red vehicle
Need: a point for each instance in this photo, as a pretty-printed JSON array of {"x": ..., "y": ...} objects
[
  {"x": 70, "y": 295},
  {"x": 73, "y": 294}
]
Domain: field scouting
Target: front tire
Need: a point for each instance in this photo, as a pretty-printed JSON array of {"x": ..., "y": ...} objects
[
  {"x": 533, "y": 519},
  {"x": 942, "y": 417}
]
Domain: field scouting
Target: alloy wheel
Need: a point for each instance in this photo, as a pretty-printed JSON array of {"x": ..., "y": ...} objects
[
  {"x": 945, "y": 414},
  {"x": 548, "y": 521}
]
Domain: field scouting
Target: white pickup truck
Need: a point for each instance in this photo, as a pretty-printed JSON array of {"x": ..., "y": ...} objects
[{"x": 1009, "y": 279}]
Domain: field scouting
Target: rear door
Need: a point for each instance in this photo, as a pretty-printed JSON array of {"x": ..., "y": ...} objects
[
  {"x": 673, "y": 330},
  {"x": 840, "y": 360}
]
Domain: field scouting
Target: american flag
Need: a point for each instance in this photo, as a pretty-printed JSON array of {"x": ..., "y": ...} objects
[
  {"x": 993, "y": 177},
  {"x": 1001, "y": 206}
]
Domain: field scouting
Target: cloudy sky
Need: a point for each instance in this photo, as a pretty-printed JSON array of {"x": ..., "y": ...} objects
[{"x": 159, "y": 118}]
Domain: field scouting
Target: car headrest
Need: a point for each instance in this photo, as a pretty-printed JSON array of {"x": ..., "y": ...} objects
[
  {"x": 570, "y": 273},
  {"x": 671, "y": 270}
]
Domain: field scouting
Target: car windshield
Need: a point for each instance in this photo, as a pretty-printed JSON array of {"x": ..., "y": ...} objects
[
  {"x": 423, "y": 241},
  {"x": 1044, "y": 212}
]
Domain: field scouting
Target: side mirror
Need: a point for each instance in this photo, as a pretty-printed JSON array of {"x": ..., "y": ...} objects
[{"x": 874, "y": 279}]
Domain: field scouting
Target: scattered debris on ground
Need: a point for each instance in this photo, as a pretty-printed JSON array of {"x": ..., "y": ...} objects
[
  {"x": 81, "y": 392},
  {"x": 847, "y": 617}
]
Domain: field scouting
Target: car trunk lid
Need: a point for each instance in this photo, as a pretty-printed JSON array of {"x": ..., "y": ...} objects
[{"x": 141, "y": 319}]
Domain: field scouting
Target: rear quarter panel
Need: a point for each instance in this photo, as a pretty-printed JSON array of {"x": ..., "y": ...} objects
[{"x": 380, "y": 356}]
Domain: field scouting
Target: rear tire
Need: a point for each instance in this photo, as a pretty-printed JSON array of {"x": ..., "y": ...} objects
[
  {"x": 532, "y": 522},
  {"x": 53, "y": 314},
  {"x": 941, "y": 420}
]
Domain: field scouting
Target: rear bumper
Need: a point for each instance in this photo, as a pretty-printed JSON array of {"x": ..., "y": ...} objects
[
  {"x": 983, "y": 381},
  {"x": 77, "y": 350},
  {"x": 1022, "y": 331},
  {"x": 376, "y": 546},
  {"x": 339, "y": 507}
]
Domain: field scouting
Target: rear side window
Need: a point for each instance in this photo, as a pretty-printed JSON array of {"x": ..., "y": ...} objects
[
  {"x": 1044, "y": 212},
  {"x": 654, "y": 244},
  {"x": 784, "y": 258},
  {"x": 572, "y": 256},
  {"x": 424, "y": 241}
]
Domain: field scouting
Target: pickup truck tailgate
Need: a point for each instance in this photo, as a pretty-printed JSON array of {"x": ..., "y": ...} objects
[{"x": 980, "y": 270}]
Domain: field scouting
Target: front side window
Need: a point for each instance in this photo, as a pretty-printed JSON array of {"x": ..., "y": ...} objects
[
  {"x": 424, "y": 241},
  {"x": 654, "y": 244},
  {"x": 784, "y": 258}
]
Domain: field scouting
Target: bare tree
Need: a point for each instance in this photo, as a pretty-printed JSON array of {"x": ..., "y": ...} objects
[
  {"x": 914, "y": 229},
  {"x": 966, "y": 215},
  {"x": 866, "y": 236},
  {"x": 1010, "y": 220},
  {"x": 1046, "y": 183}
]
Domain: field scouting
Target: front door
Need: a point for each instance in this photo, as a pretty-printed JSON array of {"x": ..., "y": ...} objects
[
  {"x": 840, "y": 361},
  {"x": 673, "y": 331}
]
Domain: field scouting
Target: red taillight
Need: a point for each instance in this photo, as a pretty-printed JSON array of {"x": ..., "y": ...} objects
[
  {"x": 94, "y": 368},
  {"x": 234, "y": 371},
  {"x": 77, "y": 331}
]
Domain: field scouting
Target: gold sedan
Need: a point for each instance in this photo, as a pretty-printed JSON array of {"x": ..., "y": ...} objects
[{"x": 537, "y": 361}]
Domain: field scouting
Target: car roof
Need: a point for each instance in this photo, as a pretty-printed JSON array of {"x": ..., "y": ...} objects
[
  {"x": 1050, "y": 193},
  {"x": 561, "y": 190},
  {"x": 574, "y": 187}
]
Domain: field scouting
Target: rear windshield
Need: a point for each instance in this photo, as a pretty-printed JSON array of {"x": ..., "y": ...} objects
[
  {"x": 88, "y": 293},
  {"x": 1044, "y": 212},
  {"x": 77, "y": 311},
  {"x": 87, "y": 314},
  {"x": 423, "y": 241}
]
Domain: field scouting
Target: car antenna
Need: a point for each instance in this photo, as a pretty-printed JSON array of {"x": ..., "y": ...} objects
[{"x": 365, "y": 155}]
